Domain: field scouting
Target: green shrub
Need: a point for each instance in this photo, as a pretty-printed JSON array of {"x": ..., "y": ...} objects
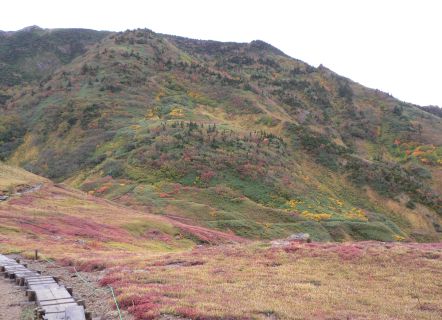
[
  {"x": 113, "y": 168},
  {"x": 410, "y": 204}
]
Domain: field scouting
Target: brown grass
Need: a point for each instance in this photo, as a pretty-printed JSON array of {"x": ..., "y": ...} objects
[
  {"x": 303, "y": 281},
  {"x": 12, "y": 176}
]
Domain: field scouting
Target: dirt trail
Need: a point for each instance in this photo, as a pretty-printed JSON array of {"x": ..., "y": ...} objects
[
  {"x": 12, "y": 301},
  {"x": 20, "y": 190}
]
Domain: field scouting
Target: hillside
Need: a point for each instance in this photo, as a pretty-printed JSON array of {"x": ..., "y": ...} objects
[
  {"x": 70, "y": 225},
  {"x": 12, "y": 178},
  {"x": 34, "y": 53},
  {"x": 237, "y": 137},
  {"x": 159, "y": 272}
]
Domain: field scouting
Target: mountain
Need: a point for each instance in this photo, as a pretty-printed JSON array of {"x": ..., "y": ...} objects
[
  {"x": 34, "y": 53},
  {"x": 237, "y": 137}
]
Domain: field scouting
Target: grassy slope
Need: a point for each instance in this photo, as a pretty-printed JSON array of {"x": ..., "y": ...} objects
[
  {"x": 295, "y": 148},
  {"x": 13, "y": 177},
  {"x": 67, "y": 224}
]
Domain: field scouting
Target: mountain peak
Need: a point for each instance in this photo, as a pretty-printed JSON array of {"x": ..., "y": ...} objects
[
  {"x": 31, "y": 28},
  {"x": 262, "y": 45}
]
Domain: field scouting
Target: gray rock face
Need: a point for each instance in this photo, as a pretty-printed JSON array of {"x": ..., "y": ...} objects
[
  {"x": 298, "y": 236},
  {"x": 3, "y": 198}
]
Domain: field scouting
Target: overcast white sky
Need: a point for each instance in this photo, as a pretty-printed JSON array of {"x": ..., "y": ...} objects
[{"x": 392, "y": 45}]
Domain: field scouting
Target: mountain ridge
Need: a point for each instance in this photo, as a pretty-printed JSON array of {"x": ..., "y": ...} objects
[{"x": 434, "y": 108}]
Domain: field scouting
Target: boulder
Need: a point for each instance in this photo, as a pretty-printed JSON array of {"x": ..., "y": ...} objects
[{"x": 299, "y": 237}]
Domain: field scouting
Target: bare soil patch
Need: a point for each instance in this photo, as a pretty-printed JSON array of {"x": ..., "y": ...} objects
[{"x": 13, "y": 303}]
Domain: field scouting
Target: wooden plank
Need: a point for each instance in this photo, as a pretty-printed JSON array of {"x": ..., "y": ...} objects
[
  {"x": 12, "y": 268},
  {"x": 3, "y": 267},
  {"x": 42, "y": 286},
  {"x": 39, "y": 276},
  {"x": 67, "y": 298},
  {"x": 55, "y": 316},
  {"x": 61, "y": 292},
  {"x": 35, "y": 283},
  {"x": 28, "y": 273},
  {"x": 34, "y": 278},
  {"x": 16, "y": 269},
  {"x": 45, "y": 294},
  {"x": 25, "y": 274},
  {"x": 52, "y": 293},
  {"x": 9, "y": 263},
  {"x": 21, "y": 278},
  {"x": 11, "y": 274},
  {"x": 53, "y": 296},
  {"x": 3, "y": 258},
  {"x": 42, "y": 281},
  {"x": 58, "y": 307},
  {"x": 75, "y": 313},
  {"x": 56, "y": 302},
  {"x": 72, "y": 311}
]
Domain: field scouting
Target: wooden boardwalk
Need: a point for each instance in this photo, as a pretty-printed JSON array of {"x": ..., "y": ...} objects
[{"x": 54, "y": 301}]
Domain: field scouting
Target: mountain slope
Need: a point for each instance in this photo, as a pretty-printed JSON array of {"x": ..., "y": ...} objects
[
  {"x": 34, "y": 53},
  {"x": 157, "y": 271},
  {"x": 233, "y": 136},
  {"x": 65, "y": 223}
]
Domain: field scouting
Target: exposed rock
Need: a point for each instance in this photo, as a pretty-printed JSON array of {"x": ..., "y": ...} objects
[
  {"x": 296, "y": 237},
  {"x": 299, "y": 237}
]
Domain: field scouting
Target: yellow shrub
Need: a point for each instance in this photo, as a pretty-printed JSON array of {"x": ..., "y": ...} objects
[
  {"x": 194, "y": 94},
  {"x": 293, "y": 203},
  {"x": 316, "y": 216},
  {"x": 150, "y": 114},
  {"x": 177, "y": 113},
  {"x": 339, "y": 203},
  {"x": 356, "y": 214}
]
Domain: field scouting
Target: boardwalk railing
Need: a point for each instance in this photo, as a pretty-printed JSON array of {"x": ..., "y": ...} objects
[{"x": 54, "y": 301}]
